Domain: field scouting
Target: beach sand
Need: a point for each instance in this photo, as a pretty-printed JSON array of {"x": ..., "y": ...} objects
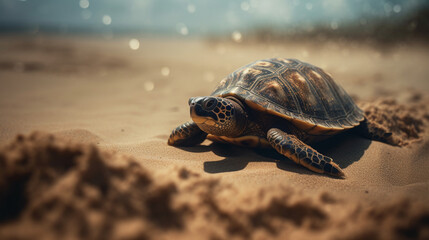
[{"x": 84, "y": 123}]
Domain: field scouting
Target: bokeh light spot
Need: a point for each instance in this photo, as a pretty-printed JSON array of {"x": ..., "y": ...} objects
[
  {"x": 84, "y": 4},
  {"x": 236, "y": 36},
  {"x": 397, "y": 8},
  {"x": 304, "y": 53},
  {"x": 191, "y": 8},
  {"x": 134, "y": 44},
  {"x": 165, "y": 71},
  {"x": 149, "y": 86},
  {"x": 182, "y": 29},
  {"x": 245, "y": 6},
  {"x": 107, "y": 20}
]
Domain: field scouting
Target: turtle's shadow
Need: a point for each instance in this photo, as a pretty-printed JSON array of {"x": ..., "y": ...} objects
[{"x": 345, "y": 149}]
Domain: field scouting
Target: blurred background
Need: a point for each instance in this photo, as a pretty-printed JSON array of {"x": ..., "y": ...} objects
[{"x": 243, "y": 20}]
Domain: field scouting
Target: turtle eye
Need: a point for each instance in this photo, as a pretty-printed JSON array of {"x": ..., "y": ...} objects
[{"x": 209, "y": 103}]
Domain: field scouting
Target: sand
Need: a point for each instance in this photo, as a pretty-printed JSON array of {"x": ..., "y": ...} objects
[{"x": 98, "y": 165}]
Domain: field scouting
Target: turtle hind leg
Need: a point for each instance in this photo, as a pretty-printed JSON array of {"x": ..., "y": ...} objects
[
  {"x": 374, "y": 131},
  {"x": 294, "y": 149},
  {"x": 187, "y": 134}
]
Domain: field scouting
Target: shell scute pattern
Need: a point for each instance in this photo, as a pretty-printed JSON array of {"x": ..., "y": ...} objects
[
  {"x": 322, "y": 89},
  {"x": 304, "y": 93},
  {"x": 338, "y": 92},
  {"x": 278, "y": 91},
  {"x": 295, "y": 90}
]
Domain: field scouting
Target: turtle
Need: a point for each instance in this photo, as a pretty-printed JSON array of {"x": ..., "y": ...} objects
[{"x": 279, "y": 103}]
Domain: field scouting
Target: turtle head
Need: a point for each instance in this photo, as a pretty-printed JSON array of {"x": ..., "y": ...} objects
[{"x": 218, "y": 116}]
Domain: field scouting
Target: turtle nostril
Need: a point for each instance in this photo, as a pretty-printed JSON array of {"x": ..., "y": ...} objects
[{"x": 191, "y": 101}]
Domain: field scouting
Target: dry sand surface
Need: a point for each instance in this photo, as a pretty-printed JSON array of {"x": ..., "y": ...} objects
[{"x": 99, "y": 167}]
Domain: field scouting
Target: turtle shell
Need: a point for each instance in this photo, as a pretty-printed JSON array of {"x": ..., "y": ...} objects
[{"x": 297, "y": 91}]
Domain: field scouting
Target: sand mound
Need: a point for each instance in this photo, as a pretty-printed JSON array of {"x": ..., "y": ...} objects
[
  {"x": 54, "y": 189},
  {"x": 405, "y": 122}
]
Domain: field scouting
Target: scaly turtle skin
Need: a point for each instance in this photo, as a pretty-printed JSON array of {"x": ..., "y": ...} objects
[{"x": 280, "y": 103}]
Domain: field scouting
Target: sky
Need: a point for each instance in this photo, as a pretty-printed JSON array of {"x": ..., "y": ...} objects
[{"x": 186, "y": 17}]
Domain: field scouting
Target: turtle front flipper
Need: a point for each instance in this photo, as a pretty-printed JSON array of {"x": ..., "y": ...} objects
[
  {"x": 187, "y": 134},
  {"x": 294, "y": 149}
]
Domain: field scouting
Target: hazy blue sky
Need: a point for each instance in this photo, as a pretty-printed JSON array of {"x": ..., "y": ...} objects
[{"x": 188, "y": 17}]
